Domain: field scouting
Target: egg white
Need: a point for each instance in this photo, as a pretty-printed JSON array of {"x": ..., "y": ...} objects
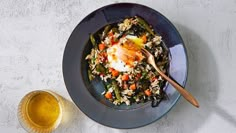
[{"x": 114, "y": 61}]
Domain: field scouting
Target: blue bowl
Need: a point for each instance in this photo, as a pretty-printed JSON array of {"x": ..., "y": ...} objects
[{"x": 87, "y": 95}]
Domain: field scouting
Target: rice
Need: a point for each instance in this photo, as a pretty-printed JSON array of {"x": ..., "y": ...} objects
[
  {"x": 139, "y": 83},
  {"x": 157, "y": 40},
  {"x": 154, "y": 83},
  {"x": 126, "y": 25},
  {"x": 148, "y": 67},
  {"x": 119, "y": 80},
  {"x": 148, "y": 44}
]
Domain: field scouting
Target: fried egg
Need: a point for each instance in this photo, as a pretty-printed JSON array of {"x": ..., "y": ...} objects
[
  {"x": 114, "y": 60},
  {"x": 123, "y": 57}
]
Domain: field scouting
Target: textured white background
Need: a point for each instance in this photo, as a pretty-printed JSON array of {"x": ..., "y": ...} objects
[{"x": 33, "y": 34}]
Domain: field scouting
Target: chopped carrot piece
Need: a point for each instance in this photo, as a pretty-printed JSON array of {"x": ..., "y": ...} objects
[
  {"x": 103, "y": 56},
  {"x": 114, "y": 73},
  {"x": 132, "y": 87},
  {"x": 101, "y": 46},
  {"x": 144, "y": 38},
  {"x": 113, "y": 41},
  {"x": 153, "y": 79},
  {"x": 147, "y": 92},
  {"x": 125, "y": 77},
  {"x": 108, "y": 95}
]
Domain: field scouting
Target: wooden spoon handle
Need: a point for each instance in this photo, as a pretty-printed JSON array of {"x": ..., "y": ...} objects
[{"x": 179, "y": 88}]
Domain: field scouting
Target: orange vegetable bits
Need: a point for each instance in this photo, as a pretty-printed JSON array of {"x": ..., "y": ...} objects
[
  {"x": 115, "y": 73},
  {"x": 125, "y": 77},
  {"x": 148, "y": 92},
  {"x": 153, "y": 79},
  {"x": 132, "y": 87},
  {"x": 108, "y": 95},
  {"x": 101, "y": 46},
  {"x": 144, "y": 38}
]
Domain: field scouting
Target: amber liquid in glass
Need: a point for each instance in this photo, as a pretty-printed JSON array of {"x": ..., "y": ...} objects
[
  {"x": 40, "y": 111},
  {"x": 43, "y": 110}
]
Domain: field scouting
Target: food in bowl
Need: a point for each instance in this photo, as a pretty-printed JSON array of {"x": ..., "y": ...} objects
[{"x": 117, "y": 59}]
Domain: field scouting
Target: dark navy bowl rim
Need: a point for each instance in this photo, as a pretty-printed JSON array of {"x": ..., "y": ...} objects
[{"x": 178, "y": 34}]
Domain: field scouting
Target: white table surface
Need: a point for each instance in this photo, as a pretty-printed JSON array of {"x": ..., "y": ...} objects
[{"x": 33, "y": 34}]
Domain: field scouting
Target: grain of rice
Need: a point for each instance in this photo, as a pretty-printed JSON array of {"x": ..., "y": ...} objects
[
  {"x": 119, "y": 80},
  {"x": 157, "y": 40},
  {"x": 148, "y": 44},
  {"x": 106, "y": 77},
  {"x": 148, "y": 67},
  {"x": 110, "y": 89},
  {"x": 103, "y": 92}
]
